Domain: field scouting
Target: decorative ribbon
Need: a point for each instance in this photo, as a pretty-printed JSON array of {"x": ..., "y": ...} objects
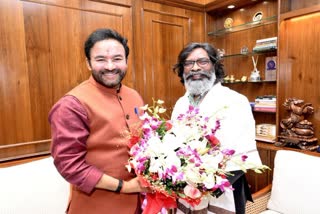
[{"x": 156, "y": 201}]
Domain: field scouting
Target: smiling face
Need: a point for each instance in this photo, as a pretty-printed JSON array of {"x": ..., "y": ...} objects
[
  {"x": 199, "y": 75},
  {"x": 108, "y": 63}
]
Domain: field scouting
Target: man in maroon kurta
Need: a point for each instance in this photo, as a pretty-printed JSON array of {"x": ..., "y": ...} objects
[{"x": 88, "y": 127}]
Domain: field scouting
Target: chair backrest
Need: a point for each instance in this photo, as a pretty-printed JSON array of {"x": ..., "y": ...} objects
[
  {"x": 35, "y": 187},
  {"x": 295, "y": 186}
]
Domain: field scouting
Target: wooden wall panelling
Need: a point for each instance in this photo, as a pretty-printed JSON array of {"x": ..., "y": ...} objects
[
  {"x": 115, "y": 2},
  {"x": 24, "y": 150},
  {"x": 81, "y": 22},
  {"x": 15, "y": 114},
  {"x": 79, "y": 3},
  {"x": 267, "y": 154},
  {"x": 38, "y": 66},
  {"x": 67, "y": 62},
  {"x": 165, "y": 30},
  {"x": 197, "y": 1},
  {"x": 42, "y": 58},
  {"x": 291, "y": 5},
  {"x": 197, "y": 26},
  {"x": 137, "y": 49},
  {"x": 195, "y": 5},
  {"x": 21, "y": 161},
  {"x": 164, "y": 37},
  {"x": 299, "y": 64},
  {"x": 220, "y": 6},
  {"x": 111, "y": 14}
]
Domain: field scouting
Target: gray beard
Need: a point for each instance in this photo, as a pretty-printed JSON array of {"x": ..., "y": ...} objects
[{"x": 198, "y": 87}]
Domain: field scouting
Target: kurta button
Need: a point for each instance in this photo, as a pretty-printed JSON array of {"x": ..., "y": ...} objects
[
  {"x": 127, "y": 116},
  {"x": 120, "y": 98}
]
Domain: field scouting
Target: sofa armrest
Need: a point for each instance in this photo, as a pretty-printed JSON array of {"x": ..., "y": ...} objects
[
  {"x": 260, "y": 199},
  {"x": 34, "y": 187}
]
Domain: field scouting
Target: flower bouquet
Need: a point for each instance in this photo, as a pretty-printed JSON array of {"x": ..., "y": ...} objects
[{"x": 179, "y": 159}]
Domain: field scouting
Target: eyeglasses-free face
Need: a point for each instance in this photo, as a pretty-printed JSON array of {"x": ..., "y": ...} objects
[{"x": 201, "y": 62}]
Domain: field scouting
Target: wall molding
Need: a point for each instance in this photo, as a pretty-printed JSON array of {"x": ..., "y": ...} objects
[{"x": 24, "y": 150}]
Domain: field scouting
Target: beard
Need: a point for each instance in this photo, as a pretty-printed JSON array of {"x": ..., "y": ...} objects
[
  {"x": 199, "y": 86},
  {"x": 101, "y": 77}
]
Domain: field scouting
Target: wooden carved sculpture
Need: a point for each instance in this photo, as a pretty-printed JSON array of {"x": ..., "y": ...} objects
[{"x": 296, "y": 130}]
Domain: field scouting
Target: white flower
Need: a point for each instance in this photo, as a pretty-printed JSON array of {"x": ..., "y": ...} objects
[
  {"x": 145, "y": 107},
  {"x": 185, "y": 133},
  {"x": 172, "y": 160},
  {"x": 162, "y": 110},
  {"x": 192, "y": 174},
  {"x": 144, "y": 116},
  {"x": 160, "y": 102},
  {"x": 155, "y": 147},
  {"x": 171, "y": 142},
  {"x": 198, "y": 145},
  {"x": 156, "y": 165},
  {"x": 209, "y": 181},
  {"x": 211, "y": 162}
]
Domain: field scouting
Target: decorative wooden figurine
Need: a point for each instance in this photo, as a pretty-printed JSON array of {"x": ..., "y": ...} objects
[{"x": 296, "y": 130}]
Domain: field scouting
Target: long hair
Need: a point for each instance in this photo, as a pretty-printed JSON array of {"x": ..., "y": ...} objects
[{"x": 213, "y": 56}]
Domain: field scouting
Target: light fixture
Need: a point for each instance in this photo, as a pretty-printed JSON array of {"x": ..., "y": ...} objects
[{"x": 231, "y": 6}]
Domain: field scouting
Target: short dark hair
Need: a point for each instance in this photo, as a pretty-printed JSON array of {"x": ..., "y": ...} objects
[
  {"x": 212, "y": 53},
  {"x": 103, "y": 34}
]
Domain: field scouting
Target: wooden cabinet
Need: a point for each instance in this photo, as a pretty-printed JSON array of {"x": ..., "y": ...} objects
[
  {"x": 297, "y": 60},
  {"x": 243, "y": 33},
  {"x": 299, "y": 51},
  {"x": 259, "y": 181}
]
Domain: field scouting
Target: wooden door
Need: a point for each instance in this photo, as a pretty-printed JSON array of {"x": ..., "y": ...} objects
[{"x": 165, "y": 31}]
